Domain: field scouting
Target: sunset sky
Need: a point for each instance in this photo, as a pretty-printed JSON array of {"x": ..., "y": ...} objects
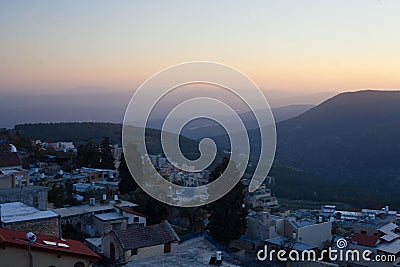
[{"x": 304, "y": 46}]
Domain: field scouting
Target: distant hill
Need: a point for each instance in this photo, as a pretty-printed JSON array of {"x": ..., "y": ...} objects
[
  {"x": 348, "y": 146},
  {"x": 352, "y": 137},
  {"x": 204, "y": 128}
]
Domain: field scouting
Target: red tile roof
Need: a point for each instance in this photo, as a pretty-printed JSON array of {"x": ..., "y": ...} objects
[
  {"x": 131, "y": 211},
  {"x": 18, "y": 238},
  {"x": 364, "y": 240}
]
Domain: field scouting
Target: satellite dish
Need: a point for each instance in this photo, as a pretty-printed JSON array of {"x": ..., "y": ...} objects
[
  {"x": 13, "y": 149},
  {"x": 31, "y": 237}
]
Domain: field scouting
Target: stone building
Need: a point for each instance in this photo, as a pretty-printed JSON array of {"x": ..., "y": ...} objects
[
  {"x": 34, "y": 196},
  {"x": 18, "y": 216},
  {"x": 139, "y": 242}
]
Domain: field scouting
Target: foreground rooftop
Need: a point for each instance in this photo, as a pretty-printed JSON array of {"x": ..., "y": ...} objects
[{"x": 18, "y": 212}]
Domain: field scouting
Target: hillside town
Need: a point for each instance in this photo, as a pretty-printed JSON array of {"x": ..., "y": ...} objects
[{"x": 61, "y": 213}]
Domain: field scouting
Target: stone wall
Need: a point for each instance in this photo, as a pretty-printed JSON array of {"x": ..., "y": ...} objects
[
  {"x": 34, "y": 196},
  {"x": 47, "y": 226}
]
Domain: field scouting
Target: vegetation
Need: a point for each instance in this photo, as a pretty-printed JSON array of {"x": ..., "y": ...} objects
[
  {"x": 227, "y": 221},
  {"x": 127, "y": 184},
  {"x": 81, "y": 132},
  {"x": 154, "y": 209},
  {"x": 88, "y": 155},
  {"x": 107, "y": 160}
]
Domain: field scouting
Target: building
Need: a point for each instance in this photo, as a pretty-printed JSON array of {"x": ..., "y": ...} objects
[
  {"x": 134, "y": 217},
  {"x": 328, "y": 211},
  {"x": 18, "y": 216},
  {"x": 11, "y": 177},
  {"x": 96, "y": 175},
  {"x": 62, "y": 146},
  {"x": 260, "y": 226},
  {"x": 139, "y": 242},
  {"x": 302, "y": 233},
  {"x": 385, "y": 243},
  {"x": 34, "y": 196},
  {"x": 262, "y": 199},
  {"x": 46, "y": 250},
  {"x": 97, "y": 219}
]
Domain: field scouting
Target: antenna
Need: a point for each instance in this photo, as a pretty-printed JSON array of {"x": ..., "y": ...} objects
[{"x": 32, "y": 239}]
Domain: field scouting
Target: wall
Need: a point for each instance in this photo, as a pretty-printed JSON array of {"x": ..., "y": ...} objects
[
  {"x": 16, "y": 256},
  {"x": 42, "y": 226},
  {"x": 6, "y": 181},
  {"x": 316, "y": 234},
  {"x": 103, "y": 227},
  {"x": 105, "y": 246},
  {"x": 142, "y": 220},
  {"x": 256, "y": 229},
  {"x": 34, "y": 196}
]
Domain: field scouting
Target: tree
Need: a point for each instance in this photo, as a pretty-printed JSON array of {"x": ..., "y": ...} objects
[
  {"x": 88, "y": 155},
  {"x": 56, "y": 196},
  {"x": 106, "y": 155},
  {"x": 154, "y": 209},
  {"x": 227, "y": 219},
  {"x": 127, "y": 184}
]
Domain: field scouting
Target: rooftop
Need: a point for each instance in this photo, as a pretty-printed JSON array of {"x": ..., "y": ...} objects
[
  {"x": 69, "y": 246},
  {"x": 23, "y": 189},
  {"x": 94, "y": 241},
  {"x": 388, "y": 228},
  {"x": 109, "y": 216},
  {"x": 18, "y": 212},
  {"x": 84, "y": 209},
  {"x": 391, "y": 248},
  {"x": 194, "y": 253},
  {"x": 11, "y": 170},
  {"x": 301, "y": 223},
  {"x": 364, "y": 240},
  {"x": 130, "y": 211},
  {"x": 139, "y": 237},
  {"x": 299, "y": 246}
]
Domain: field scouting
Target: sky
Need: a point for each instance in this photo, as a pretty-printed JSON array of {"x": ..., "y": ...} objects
[{"x": 298, "y": 46}]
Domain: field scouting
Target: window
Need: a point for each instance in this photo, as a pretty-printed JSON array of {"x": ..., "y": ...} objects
[
  {"x": 136, "y": 219},
  {"x": 363, "y": 232}
]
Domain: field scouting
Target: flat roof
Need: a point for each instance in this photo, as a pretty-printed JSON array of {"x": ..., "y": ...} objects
[
  {"x": 109, "y": 216},
  {"x": 392, "y": 247},
  {"x": 86, "y": 208},
  {"x": 95, "y": 241},
  {"x": 8, "y": 171},
  {"x": 299, "y": 246},
  {"x": 18, "y": 212},
  {"x": 24, "y": 188}
]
